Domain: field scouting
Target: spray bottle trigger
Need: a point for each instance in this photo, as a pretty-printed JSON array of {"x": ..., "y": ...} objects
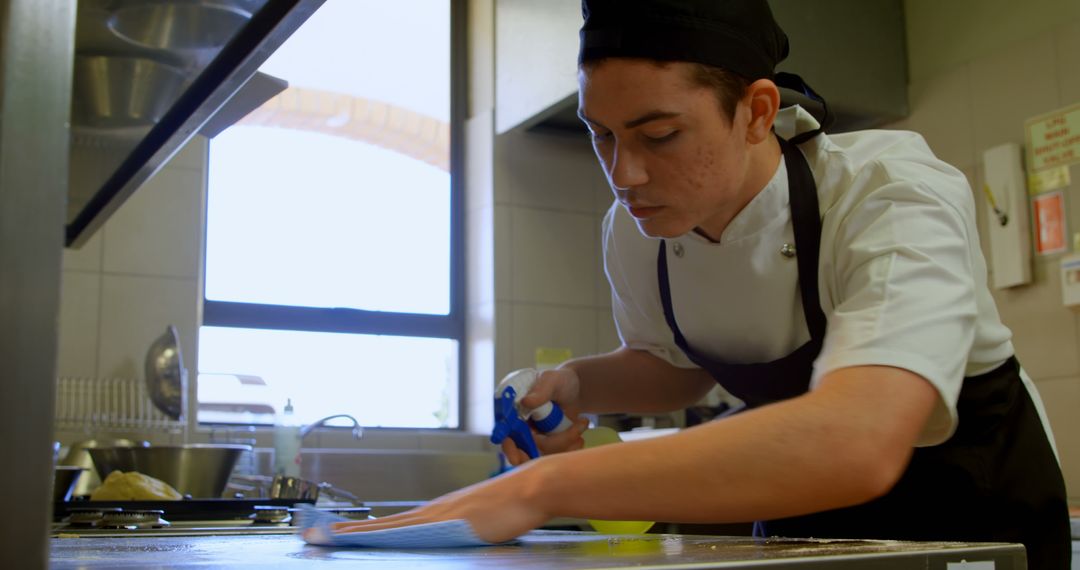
[{"x": 509, "y": 424}]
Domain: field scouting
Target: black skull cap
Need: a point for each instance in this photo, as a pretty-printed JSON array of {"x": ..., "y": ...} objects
[{"x": 737, "y": 35}]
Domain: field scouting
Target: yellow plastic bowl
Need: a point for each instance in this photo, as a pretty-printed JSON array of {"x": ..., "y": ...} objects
[
  {"x": 603, "y": 436},
  {"x": 621, "y": 527}
]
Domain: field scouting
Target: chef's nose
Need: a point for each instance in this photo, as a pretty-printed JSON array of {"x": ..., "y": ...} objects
[{"x": 627, "y": 169}]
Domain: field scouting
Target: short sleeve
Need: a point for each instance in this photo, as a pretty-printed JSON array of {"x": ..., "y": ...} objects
[{"x": 901, "y": 278}]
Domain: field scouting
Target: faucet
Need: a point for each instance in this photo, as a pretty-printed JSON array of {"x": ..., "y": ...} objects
[{"x": 357, "y": 431}]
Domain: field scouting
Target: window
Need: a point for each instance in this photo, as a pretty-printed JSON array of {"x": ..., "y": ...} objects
[{"x": 333, "y": 246}]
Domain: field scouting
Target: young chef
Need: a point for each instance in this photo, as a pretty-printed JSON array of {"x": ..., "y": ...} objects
[{"x": 833, "y": 283}]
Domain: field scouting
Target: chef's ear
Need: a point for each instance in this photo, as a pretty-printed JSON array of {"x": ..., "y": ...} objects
[{"x": 763, "y": 98}]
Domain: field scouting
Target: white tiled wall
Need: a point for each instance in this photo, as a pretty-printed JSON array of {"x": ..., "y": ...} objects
[
  {"x": 138, "y": 274},
  {"x": 80, "y": 303},
  {"x": 157, "y": 231},
  {"x": 553, "y": 257},
  {"x": 1067, "y": 42},
  {"x": 535, "y": 325},
  {"x": 969, "y": 93},
  {"x": 87, "y": 258},
  {"x": 1010, "y": 86},
  {"x": 135, "y": 310},
  {"x": 550, "y": 197},
  {"x": 937, "y": 105}
]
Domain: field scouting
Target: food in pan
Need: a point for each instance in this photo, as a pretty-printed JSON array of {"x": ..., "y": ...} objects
[{"x": 134, "y": 486}]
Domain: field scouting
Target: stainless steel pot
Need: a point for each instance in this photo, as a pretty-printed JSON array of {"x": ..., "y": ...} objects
[
  {"x": 198, "y": 470},
  {"x": 78, "y": 455}
]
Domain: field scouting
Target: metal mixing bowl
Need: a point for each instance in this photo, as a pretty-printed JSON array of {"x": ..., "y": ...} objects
[
  {"x": 178, "y": 25},
  {"x": 122, "y": 92},
  {"x": 79, "y": 456},
  {"x": 166, "y": 378},
  {"x": 199, "y": 470}
]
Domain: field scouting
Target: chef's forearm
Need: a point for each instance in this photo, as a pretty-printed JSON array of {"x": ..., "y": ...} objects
[
  {"x": 634, "y": 381},
  {"x": 831, "y": 448},
  {"x": 720, "y": 472}
]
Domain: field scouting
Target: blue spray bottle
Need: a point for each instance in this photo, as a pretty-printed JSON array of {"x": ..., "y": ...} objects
[{"x": 512, "y": 419}]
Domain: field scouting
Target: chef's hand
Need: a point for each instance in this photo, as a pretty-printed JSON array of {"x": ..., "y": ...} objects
[
  {"x": 561, "y": 386},
  {"x": 497, "y": 509}
]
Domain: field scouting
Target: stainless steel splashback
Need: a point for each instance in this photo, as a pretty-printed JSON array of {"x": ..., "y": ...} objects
[{"x": 148, "y": 75}]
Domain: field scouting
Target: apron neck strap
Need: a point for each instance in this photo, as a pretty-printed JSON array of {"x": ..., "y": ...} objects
[
  {"x": 796, "y": 84},
  {"x": 806, "y": 224}
]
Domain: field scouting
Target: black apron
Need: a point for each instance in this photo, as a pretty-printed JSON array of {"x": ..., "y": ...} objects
[{"x": 995, "y": 480}]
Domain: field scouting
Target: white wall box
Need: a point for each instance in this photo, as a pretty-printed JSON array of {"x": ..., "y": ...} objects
[{"x": 1007, "y": 215}]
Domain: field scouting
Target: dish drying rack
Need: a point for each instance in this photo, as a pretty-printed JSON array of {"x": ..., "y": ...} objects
[{"x": 84, "y": 403}]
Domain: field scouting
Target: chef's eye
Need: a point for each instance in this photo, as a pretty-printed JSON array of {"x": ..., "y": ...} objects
[{"x": 661, "y": 138}]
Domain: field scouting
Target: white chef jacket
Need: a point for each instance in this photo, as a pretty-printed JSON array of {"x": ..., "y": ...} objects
[{"x": 901, "y": 278}]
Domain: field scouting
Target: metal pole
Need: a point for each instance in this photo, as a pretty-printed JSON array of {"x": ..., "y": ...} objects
[{"x": 36, "y": 47}]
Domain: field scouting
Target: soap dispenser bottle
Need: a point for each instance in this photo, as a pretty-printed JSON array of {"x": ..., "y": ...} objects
[{"x": 287, "y": 443}]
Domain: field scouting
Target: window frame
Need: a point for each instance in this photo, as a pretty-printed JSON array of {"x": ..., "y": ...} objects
[{"x": 358, "y": 321}]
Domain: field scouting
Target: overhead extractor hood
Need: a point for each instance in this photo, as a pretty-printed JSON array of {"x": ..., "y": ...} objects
[
  {"x": 150, "y": 74},
  {"x": 852, "y": 52}
]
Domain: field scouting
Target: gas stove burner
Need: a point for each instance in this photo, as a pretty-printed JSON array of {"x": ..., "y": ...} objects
[
  {"x": 267, "y": 514},
  {"x": 194, "y": 517},
  {"x": 133, "y": 519},
  {"x": 89, "y": 517}
]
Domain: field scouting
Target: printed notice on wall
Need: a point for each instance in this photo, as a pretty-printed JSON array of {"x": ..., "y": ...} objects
[
  {"x": 1053, "y": 139},
  {"x": 1049, "y": 213},
  {"x": 1050, "y": 179}
]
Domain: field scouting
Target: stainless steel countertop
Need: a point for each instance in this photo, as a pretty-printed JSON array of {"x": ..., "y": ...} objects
[{"x": 550, "y": 550}]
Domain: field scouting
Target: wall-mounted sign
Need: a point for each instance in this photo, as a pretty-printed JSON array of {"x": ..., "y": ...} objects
[
  {"x": 1050, "y": 179},
  {"x": 1053, "y": 139},
  {"x": 1049, "y": 213},
  {"x": 1070, "y": 280}
]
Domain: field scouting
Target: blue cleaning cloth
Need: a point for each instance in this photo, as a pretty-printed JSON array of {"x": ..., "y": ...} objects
[{"x": 315, "y": 529}]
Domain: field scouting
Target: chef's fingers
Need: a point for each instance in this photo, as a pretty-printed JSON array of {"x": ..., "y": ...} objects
[
  {"x": 558, "y": 385},
  {"x": 397, "y": 516},
  {"x": 568, "y": 440},
  {"x": 345, "y": 528},
  {"x": 514, "y": 455},
  {"x": 392, "y": 521}
]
